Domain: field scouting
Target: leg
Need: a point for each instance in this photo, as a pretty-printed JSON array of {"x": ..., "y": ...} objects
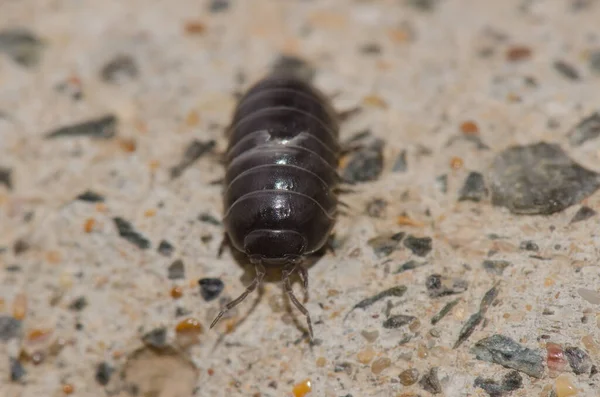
[
  {"x": 224, "y": 243},
  {"x": 304, "y": 277},
  {"x": 260, "y": 274},
  {"x": 290, "y": 292}
]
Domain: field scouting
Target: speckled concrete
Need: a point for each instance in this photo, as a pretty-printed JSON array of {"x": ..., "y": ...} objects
[{"x": 437, "y": 69}]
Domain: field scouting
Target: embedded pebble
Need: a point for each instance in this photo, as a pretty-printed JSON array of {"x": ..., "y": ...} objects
[
  {"x": 208, "y": 218},
  {"x": 430, "y": 382},
  {"x": 410, "y": 265},
  {"x": 555, "y": 357},
  {"x": 529, "y": 246},
  {"x": 176, "y": 270},
  {"x": 165, "y": 248},
  {"x": 396, "y": 291},
  {"x": 119, "y": 69},
  {"x": 22, "y": 46},
  {"x": 103, "y": 373},
  {"x": 17, "y": 371},
  {"x": 90, "y": 197},
  {"x": 370, "y": 335},
  {"x": 366, "y": 356},
  {"x": 578, "y": 359},
  {"x": 400, "y": 164},
  {"x": 210, "y": 288},
  {"x": 564, "y": 387},
  {"x": 409, "y": 377},
  {"x": 398, "y": 321},
  {"x": 6, "y": 177},
  {"x": 376, "y": 208},
  {"x": 366, "y": 164},
  {"x": 566, "y": 70},
  {"x": 442, "y": 183},
  {"x": 495, "y": 266},
  {"x": 380, "y": 364},
  {"x": 193, "y": 152},
  {"x": 156, "y": 338},
  {"x": 502, "y": 350},
  {"x": 386, "y": 244},
  {"x": 583, "y": 214},
  {"x": 10, "y": 328},
  {"x": 438, "y": 285},
  {"x": 302, "y": 388},
  {"x": 539, "y": 179},
  {"x": 420, "y": 246},
  {"x": 474, "y": 188},
  {"x": 589, "y": 295},
  {"x": 445, "y": 310},
  {"x": 219, "y": 5},
  {"x": 127, "y": 232},
  {"x": 78, "y": 304},
  {"x": 104, "y": 127},
  {"x": 586, "y": 130},
  {"x": 510, "y": 382}
]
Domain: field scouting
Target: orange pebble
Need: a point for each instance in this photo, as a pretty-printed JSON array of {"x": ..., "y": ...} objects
[
  {"x": 68, "y": 388},
  {"x": 194, "y": 27},
  {"x": 176, "y": 292},
  {"x": 20, "y": 307},
  {"x": 189, "y": 326},
  {"x": 303, "y": 388},
  {"x": 192, "y": 119},
  {"x": 406, "y": 221},
  {"x": 456, "y": 163},
  {"x": 88, "y": 226},
  {"x": 149, "y": 213},
  {"x": 469, "y": 128},
  {"x": 128, "y": 145}
]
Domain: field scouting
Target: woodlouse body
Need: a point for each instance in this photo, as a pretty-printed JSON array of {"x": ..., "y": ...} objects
[{"x": 279, "y": 197}]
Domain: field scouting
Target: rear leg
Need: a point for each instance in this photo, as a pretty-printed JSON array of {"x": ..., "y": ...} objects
[
  {"x": 225, "y": 242},
  {"x": 288, "y": 289}
]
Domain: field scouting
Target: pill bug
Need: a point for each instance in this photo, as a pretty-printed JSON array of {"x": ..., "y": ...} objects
[{"x": 281, "y": 177}]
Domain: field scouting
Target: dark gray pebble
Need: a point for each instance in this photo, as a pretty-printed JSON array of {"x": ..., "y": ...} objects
[
  {"x": 423, "y": 5},
  {"x": 6, "y": 177},
  {"x": 595, "y": 61},
  {"x": 467, "y": 330},
  {"x": 376, "y": 208},
  {"x": 474, "y": 188},
  {"x": 165, "y": 248},
  {"x": 579, "y": 360},
  {"x": 210, "y": 288},
  {"x": 366, "y": 164},
  {"x": 193, "y": 152},
  {"x": 495, "y": 266},
  {"x": 127, "y": 232},
  {"x": 386, "y": 244},
  {"x": 10, "y": 328},
  {"x": 78, "y": 304},
  {"x": 21, "y": 246},
  {"x": 586, "y": 130},
  {"x": 502, "y": 350},
  {"x": 90, "y": 197},
  {"x": 394, "y": 291},
  {"x": 104, "y": 127},
  {"x": 343, "y": 367},
  {"x": 294, "y": 65},
  {"x": 119, "y": 69},
  {"x": 398, "y": 321},
  {"x": 156, "y": 338},
  {"x": 400, "y": 164},
  {"x": 410, "y": 265},
  {"x": 370, "y": 49},
  {"x": 567, "y": 70},
  {"x": 218, "y": 5},
  {"x": 103, "y": 373},
  {"x": 539, "y": 179},
  {"x": 176, "y": 270},
  {"x": 208, "y": 218},
  {"x": 510, "y": 382},
  {"x": 438, "y": 286},
  {"x": 420, "y": 246},
  {"x": 583, "y": 214},
  {"x": 22, "y": 46},
  {"x": 430, "y": 381},
  {"x": 445, "y": 310},
  {"x": 442, "y": 183},
  {"x": 529, "y": 246},
  {"x": 17, "y": 372}
]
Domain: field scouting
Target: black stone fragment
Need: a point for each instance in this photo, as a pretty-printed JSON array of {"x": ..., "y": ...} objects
[
  {"x": 586, "y": 130},
  {"x": 210, "y": 288},
  {"x": 370, "y": 49},
  {"x": 192, "y": 153},
  {"x": 78, "y": 304},
  {"x": 21, "y": 246},
  {"x": 104, "y": 127},
  {"x": 22, "y": 46},
  {"x": 218, "y": 5},
  {"x": 10, "y": 328},
  {"x": 578, "y": 359},
  {"x": 410, "y": 265},
  {"x": 208, "y": 218},
  {"x": 495, "y": 266},
  {"x": 445, "y": 310},
  {"x": 289, "y": 64},
  {"x": 423, "y": 5},
  {"x": 489, "y": 298},
  {"x": 156, "y": 338},
  {"x": 567, "y": 70},
  {"x": 474, "y": 188},
  {"x": 419, "y": 246},
  {"x": 467, "y": 329},
  {"x": 430, "y": 381},
  {"x": 397, "y": 291},
  {"x": 165, "y": 248},
  {"x": 442, "y": 183},
  {"x": 502, "y": 350},
  {"x": 121, "y": 68},
  {"x": 583, "y": 214},
  {"x": 376, "y": 208},
  {"x": 176, "y": 270},
  {"x": 510, "y": 382},
  {"x": 17, "y": 372},
  {"x": 400, "y": 164},
  {"x": 127, "y": 232},
  {"x": 386, "y": 244},
  {"x": 6, "y": 177},
  {"x": 366, "y": 164},
  {"x": 529, "y": 246},
  {"x": 91, "y": 197},
  {"x": 398, "y": 321},
  {"x": 438, "y": 286},
  {"x": 103, "y": 373},
  {"x": 539, "y": 179},
  {"x": 343, "y": 367}
]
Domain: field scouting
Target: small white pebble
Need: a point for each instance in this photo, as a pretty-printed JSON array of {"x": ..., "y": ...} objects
[{"x": 591, "y": 296}]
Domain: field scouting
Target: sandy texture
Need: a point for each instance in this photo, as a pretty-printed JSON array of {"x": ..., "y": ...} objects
[{"x": 452, "y": 83}]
